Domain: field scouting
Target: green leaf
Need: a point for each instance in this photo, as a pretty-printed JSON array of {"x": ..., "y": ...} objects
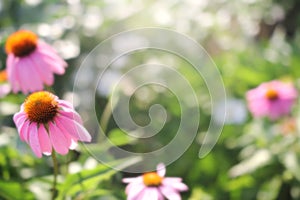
[
  {"x": 14, "y": 190},
  {"x": 119, "y": 138},
  {"x": 88, "y": 180}
]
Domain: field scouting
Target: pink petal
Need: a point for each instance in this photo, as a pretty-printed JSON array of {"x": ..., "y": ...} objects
[
  {"x": 149, "y": 193},
  {"x": 58, "y": 140},
  {"x": 42, "y": 69},
  {"x": 55, "y": 66},
  {"x": 65, "y": 104},
  {"x": 134, "y": 190},
  {"x": 71, "y": 114},
  {"x": 44, "y": 141},
  {"x": 35, "y": 80},
  {"x": 51, "y": 58},
  {"x": 171, "y": 182},
  {"x": 18, "y": 116},
  {"x": 20, "y": 119},
  {"x": 66, "y": 133},
  {"x": 34, "y": 139},
  {"x": 24, "y": 73},
  {"x": 50, "y": 52},
  {"x": 173, "y": 179},
  {"x": 138, "y": 179},
  {"x": 75, "y": 129},
  {"x": 9, "y": 64},
  {"x": 24, "y": 131},
  {"x": 161, "y": 169},
  {"x": 170, "y": 193},
  {"x": 12, "y": 74}
]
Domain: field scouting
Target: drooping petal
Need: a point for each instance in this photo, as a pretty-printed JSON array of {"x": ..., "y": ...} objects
[
  {"x": 138, "y": 179},
  {"x": 12, "y": 74},
  {"x": 44, "y": 72},
  {"x": 173, "y": 179},
  {"x": 58, "y": 140},
  {"x": 169, "y": 193},
  {"x": 65, "y": 104},
  {"x": 34, "y": 139},
  {"x": 177, "y": 185},
  {"x": 149, "y": 193},
  {"x": 75, "y": 129},
  {"x": 19, "y": 116},
  {"x": 71, "y": 114},
  {"x": 134, "y": 190},
  {"x": 56, "y": 67},
  {"x": 50, "y": 58},
  {"x": 23, "y": 72},
  {"x": 36, "y": 83},
  {"x": 50, "y": 52},
  {"x": 66, "y": 133},
  {"x": 20, "y": 119},
  {"x": 24, "y": 131},
  {"x": 161, "y": 169},
  {"x": 44, "y": 141}
]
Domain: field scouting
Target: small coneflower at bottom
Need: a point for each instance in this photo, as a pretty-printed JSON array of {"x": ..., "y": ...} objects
[{"x": 154, "y": 186}]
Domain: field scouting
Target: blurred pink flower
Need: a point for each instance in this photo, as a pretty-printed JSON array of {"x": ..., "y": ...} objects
[
  {"x": 154, "y": 186},
  {"x": 45, "y": 121},
  {"x": 272, "y": 99},
  {"x": 31, "y": 62},
  {"x": 4, "y": 86}
]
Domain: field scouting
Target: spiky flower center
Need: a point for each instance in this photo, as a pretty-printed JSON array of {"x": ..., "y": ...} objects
[
  {"x": 41, "y": 107},
  {"x": 272, "y": 94},
  {"x": 152, "y": 179},
  {"x": 21, "y": 43}
]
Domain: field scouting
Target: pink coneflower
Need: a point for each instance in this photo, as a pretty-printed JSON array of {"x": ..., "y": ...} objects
[
  {"x": 31, "y": 62},
  {"x": 45, "y": 121},
  {"x": 273, "y": 99},
  {"x": 154, "y": 186},
  {"x": 4, "y": 86}
]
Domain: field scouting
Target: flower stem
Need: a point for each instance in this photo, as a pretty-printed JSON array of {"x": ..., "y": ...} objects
[
  {"x": 55, "y": 167},
  {"x": 105, "y": 117}
]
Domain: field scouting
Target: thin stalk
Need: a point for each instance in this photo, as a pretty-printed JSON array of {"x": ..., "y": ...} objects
[
  {"x": 55, "y": 168},
  {"x": 105, "y": 117}
]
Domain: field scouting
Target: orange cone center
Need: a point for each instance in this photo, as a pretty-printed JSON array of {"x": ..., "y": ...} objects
[
  {"x": 41, "y": 107},
  {"x": 272, "y": 94},
  {"x": 152, "y": 179},
  {"x": 21, "y": 43}
]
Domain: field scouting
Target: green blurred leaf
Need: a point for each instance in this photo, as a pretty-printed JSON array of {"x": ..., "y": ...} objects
[
  {"x": 88, "y": 180},
  {"x": 14, "y": 190}
]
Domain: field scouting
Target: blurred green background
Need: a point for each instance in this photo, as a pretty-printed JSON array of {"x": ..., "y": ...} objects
[{"x": 250, "y": 41}]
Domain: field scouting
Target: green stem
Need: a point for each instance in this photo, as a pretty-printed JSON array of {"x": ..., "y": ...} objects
[
  {"x": 55, "y": 167},
  {"x": 105, "y": 117}
]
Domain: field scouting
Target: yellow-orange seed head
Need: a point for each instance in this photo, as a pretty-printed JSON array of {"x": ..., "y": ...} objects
[
  {"x": 271, "y": 94},
  {"x": 152, "y": 179},
  {"x": 41, "y": 107},
  {"x": 21, "y": 43}
]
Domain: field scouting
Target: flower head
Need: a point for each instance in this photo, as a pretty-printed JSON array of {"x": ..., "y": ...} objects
[
  {"x": 31, "y": 63},
  {"x": 272, "y": 99},
  {"x": 46, "y": 122},
  {"x": 154, "y": 186}
]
